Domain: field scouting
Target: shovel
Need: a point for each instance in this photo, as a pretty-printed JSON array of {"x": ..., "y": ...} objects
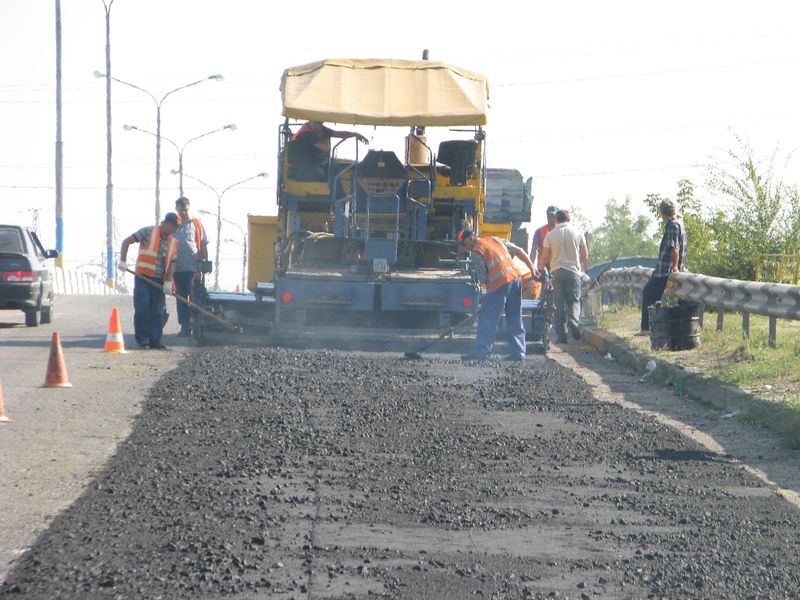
[
  {"x": 189, "y": 303},
  {"x": 416, "y": 354}
]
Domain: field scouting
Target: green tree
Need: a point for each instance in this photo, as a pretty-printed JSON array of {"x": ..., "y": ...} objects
[
  {"x": 760, "y": 214},
  {"x": 621, "y": 234}
]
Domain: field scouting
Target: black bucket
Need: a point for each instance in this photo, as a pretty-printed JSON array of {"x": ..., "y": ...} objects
[{"x": 674, "y": 327}]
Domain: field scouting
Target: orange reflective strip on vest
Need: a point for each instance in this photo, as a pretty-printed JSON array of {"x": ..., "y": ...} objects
[
  {"x": 148, "y": 254},
  {"x": 542, "y": 231},
  {"x": 499, "y": 262},
  {"x": 198, "y": 234},
  {"x": 147, "y": 260}
]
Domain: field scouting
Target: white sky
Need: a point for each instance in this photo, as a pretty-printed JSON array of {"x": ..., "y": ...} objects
[{"x": 594, "y": 100}]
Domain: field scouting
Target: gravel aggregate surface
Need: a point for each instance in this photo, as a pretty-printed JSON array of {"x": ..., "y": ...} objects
[{"x": 275, "y": 473}]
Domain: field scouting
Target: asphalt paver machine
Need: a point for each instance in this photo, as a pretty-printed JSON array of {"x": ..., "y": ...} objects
[{"x": 364, "y": 242}]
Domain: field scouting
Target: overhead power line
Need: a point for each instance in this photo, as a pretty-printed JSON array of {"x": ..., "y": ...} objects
[{"x": 646, "y": 73}]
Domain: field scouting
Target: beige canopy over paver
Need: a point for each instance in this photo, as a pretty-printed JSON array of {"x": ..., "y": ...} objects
[{"x": 385, "y": 92}]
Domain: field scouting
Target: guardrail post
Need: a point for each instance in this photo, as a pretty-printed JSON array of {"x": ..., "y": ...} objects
[
  {"x": 702, "y": 311},
  {"x": 745, "y": 325},
  {"x": 720, "y": 318},
  {"x": 773, "y": 331},
  {"x": 796, "y": 278}
]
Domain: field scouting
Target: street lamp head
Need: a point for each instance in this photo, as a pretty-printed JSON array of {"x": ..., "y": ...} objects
[
  {"x": 216, "y": 77},
  {"x": 129, "y": 127},
  {"x": 174, "y": 172},
  {"x": 99, "y": 75},
  {"x": 263, "y": 174},
  {"x": 232, "y": 127}
]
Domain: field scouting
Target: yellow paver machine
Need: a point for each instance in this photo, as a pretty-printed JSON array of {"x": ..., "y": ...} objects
[{"x": 364, "y": 242}]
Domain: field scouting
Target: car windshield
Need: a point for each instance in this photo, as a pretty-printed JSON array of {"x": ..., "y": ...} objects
[{"x": 10, "y": 240}]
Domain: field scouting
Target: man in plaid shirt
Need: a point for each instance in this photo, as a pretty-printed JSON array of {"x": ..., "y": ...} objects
[{"x": 671, "y": 259}]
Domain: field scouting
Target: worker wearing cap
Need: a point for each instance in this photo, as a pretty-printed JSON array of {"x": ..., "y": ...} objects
[
  {"x": 503, "y": 292},
  {"x": 156, "y": 262}
]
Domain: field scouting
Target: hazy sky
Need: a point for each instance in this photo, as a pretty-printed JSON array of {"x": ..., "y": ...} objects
[{"x": 593, "y": 100}]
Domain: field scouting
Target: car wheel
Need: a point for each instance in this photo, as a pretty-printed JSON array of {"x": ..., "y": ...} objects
[
  {"x": 31, "y": 318},
  {"x": 47, "y": 313}
]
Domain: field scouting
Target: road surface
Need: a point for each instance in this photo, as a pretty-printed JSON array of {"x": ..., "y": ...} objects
[{"x": 278, "y": 473}]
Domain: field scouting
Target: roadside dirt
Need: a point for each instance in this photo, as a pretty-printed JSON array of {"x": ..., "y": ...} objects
[{"x": 318, "y": 474}]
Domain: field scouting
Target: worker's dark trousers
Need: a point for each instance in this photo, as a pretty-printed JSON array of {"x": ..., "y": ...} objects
[
  {"x": 652, "y": 292},
  {"x": 567, "y": 300},
  {"x": 184, "y": 286},
  {"x": 149, "y": 307}
]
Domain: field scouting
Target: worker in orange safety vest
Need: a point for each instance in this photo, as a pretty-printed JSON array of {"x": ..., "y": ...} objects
[
  {"x": 503, "y": 292},
  {"x": 192, "y": 250},
  {"x": 156, "y": 262},
  {"x": 532, "y": 289}
]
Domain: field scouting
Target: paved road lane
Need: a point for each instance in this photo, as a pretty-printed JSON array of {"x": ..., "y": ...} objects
[
  {"x": 61, "y": 437},
  {"x": 269, "y": 473}
]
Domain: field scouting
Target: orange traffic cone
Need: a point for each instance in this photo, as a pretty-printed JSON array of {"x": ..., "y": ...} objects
[
  {"x": 56, "y": 369},
  {"x": 3, "y": 417},
  {"x": 114, "y": 341}
]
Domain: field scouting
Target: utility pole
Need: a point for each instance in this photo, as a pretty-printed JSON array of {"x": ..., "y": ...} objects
[
  {"x": 110, "y": 281},
  {"x": 59, "y": 147}
]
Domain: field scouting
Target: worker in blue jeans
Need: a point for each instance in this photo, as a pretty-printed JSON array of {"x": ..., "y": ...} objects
[
  {"x": 503, "y": 292},
  {"x": 156, "y": 263}
]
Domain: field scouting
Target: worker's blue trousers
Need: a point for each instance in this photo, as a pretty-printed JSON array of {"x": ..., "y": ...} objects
[
  {"x": 149, "y": 310},
  {"x": 508, "y": 297}
]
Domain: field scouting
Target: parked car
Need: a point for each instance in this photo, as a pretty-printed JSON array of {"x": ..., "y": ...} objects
[{"x": 26, "y": 282}]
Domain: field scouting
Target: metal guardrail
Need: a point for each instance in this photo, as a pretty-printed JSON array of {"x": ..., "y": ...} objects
[
  {"x": 774, "y": 300},
  {"x": 75, "y": 282}
]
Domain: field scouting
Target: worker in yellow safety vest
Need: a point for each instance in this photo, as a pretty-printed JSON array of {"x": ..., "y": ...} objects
[
  {"x": 503, "y": 292},
  {"x": 156, "y": 262}
]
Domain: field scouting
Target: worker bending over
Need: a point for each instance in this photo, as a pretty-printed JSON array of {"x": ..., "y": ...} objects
[
  {"x": 503, "y": 292},
  {"x": 156, "y": 262}
]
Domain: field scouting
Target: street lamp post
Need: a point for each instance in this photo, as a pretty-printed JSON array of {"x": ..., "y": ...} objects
[
  {"x": 180, "y": 149},
  {"x": 109, "y": 187},
  {"x": 219, "y": 196},
  {"x": 158, "y": 104}
]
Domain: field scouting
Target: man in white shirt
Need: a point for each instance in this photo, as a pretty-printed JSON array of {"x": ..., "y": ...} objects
[{"x": 566, "y": 251}]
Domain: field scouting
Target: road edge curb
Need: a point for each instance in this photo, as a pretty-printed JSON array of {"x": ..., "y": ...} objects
[{"x": 697, "y": 387}]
